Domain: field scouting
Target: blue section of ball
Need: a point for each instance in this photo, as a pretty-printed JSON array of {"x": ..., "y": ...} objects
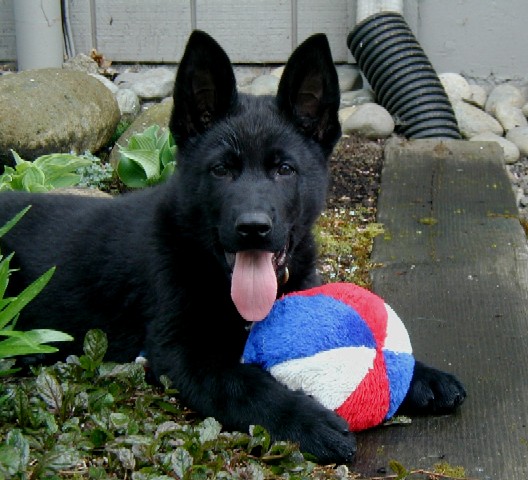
[
  {"x": 314, "y": 324},
  {"x": 400, "y": 368}
]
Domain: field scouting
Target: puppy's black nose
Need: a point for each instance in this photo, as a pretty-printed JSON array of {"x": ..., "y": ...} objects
[{"x": 256, "y": 224}]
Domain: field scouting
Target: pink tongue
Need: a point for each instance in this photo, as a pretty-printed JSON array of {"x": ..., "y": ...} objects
[{"x": 254, "y": 284}]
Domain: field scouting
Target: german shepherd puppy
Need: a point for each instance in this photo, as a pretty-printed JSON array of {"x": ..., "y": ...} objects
[{"x": 179, "y": 269}]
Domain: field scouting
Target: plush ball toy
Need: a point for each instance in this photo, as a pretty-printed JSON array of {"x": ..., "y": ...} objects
[{"x": 341, "y": 344}]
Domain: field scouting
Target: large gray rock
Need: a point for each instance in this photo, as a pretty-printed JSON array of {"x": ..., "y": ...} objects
[
  {"x": 505, "y": 93},
  {"x": 148, "y": 84},
  {"x": 370, "y": 120},
  {"x": 53, "y": 110},
  {"x": 472, "y": 120}
]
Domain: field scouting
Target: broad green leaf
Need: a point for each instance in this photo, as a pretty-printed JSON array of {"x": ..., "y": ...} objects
[
  {"x": 60, "y": 459},
  {"x": 181, "y": 462},
  {"x": 57, "y": 163},
  {"x": 147, "y": 159},
  {"x": 119, "y": 421},
  {"x": 32, "y": 176},
  {"x": 10, "y": 461},
  {"x": 5, "y": 185},
  {"x": 65, "y": 180},
  {"x": 100, "y": 399},
  {"x": 28, "y": 294},
  {"x": 38, "y": 188},
  {"x": 168, "y": 171},
  {"x": 167, "y": 154},
  {"x": 163, "y": 138},
  {"x": 16, "y": 439},
  {"x": 50, "y": 390},
  {"x": 131, "y": 173},
  {"x": 145, "y": 140},
  {"x": 209, "y": 430},
  {"x": 95, "y": 345}
]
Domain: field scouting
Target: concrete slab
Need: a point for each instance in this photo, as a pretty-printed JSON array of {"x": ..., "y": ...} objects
[{"x": 454, "y": 265}]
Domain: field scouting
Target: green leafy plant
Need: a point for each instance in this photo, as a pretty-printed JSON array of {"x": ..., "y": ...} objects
[
  {"x": 148, "y": 159},
  {"x": 57, "y": 170},
  {"x": 85, "y": 418},
  {"x": 16, "y": 342}
]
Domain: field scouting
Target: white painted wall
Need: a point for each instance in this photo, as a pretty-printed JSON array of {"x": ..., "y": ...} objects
[{"x": 479, "y": 38}]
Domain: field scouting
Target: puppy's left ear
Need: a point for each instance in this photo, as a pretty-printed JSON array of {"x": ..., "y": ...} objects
[
  {"x": 308, "y": 93},
  {"x": 204, "y": 90}
]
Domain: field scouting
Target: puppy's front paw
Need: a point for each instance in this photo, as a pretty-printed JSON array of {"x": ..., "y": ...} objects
[
  {"x": 432, "y": 392},
  {"x": 328, "y": 438}
]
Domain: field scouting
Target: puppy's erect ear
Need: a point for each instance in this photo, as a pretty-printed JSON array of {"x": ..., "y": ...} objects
[
  {"x": 308, "y": 93},
  {"x": 205, "y": 87}
]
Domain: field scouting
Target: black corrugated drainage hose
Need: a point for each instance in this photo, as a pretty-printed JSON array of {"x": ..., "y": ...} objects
[{"x": 402, "y": 77}]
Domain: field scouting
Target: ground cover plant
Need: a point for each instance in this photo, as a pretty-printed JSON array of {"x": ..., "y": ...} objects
[{"x": 87, "y": 419}]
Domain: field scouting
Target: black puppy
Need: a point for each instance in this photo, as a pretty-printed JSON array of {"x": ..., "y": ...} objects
[{"x": 180, "y": 268}]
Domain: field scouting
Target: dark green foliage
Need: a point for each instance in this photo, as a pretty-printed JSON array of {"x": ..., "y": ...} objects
[{"x": 99, "y": 420}]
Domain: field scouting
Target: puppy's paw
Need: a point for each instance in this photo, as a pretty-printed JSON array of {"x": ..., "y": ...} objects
[
  {"x": 432, "y": 392},
  {"x": 319, "y": 431},
  {"x": 328, "y": 438}
]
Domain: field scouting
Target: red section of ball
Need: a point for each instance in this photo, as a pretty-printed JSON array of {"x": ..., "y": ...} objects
[{"x": 372, "y": 396}]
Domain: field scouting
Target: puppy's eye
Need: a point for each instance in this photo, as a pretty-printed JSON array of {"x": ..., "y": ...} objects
[
  {"x": 220, "y": 170},
  {"x": 284, "y": 170}
]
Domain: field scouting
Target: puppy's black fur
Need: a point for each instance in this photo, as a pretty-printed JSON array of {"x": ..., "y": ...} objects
[{"x": 153, "y": 269}]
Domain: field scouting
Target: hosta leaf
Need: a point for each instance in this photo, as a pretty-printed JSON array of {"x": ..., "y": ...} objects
[
  {"x": 163, "y": 138},
  {"x": 131, "y": 173},
  {"x": 167, "y": 154},
  {"x": 169, "y": 169},
  {"x": 33, "y": 177},
  {"x": 56, "y": 165},
  {"x": 65, "y": 180},
  {"x": 145, "y": 140},
  {"x": 147, "y": 159}
]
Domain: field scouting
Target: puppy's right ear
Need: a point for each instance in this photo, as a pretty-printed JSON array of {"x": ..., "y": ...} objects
[{"x": 205, "y": 88}]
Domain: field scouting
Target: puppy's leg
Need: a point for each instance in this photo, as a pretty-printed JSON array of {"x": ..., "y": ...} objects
[{"x": 432, "y": 392}]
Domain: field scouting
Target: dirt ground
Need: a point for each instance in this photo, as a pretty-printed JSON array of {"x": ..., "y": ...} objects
[
  {"x": 348, "y": 226},
  {"x": 355, "y": 168}
]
